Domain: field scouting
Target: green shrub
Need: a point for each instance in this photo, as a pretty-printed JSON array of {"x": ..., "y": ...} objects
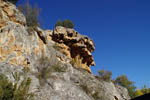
[
  {"x": 31, "y": 14},
  {"x": 6, "y": 88},
  {"x": 66, "y": 23},
  {"x": 125, "y": 82},
  {"x": 13, "y": 1},
  {"x": 105, "y": 75},
  {"x": 45, "y": 67},
  {"x": 88, "y": 91},
  {"x": 59, "y": 23},
  {"x": 16, "y": 91}
]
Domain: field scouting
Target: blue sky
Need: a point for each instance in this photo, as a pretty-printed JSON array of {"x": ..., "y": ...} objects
[{"x": 119, "y": 28}]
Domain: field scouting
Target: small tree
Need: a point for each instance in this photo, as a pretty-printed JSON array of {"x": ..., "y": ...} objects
[
  {"x": 125, "y": 82},
  {"x": 105, "y": 75},
  {"x": 68, "y": 24},
  {"x": 31, "y": 14},
  {"x": 13, "y": 1},
  {"x": 19, "y": 90},
  {"x": 138, "y": 93},
  {"x": 58, "y": 23}
]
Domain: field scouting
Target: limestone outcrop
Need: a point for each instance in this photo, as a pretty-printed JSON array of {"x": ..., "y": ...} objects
[
  {"x": 37, "y": 50},
  {"x": 74, "y": 44},
  {"x": 20, "y": 42}
]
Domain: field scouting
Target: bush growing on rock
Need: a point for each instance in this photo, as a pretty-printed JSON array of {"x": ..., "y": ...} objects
[
  {"x": 66, "y": 23},
  {"x": 133, "y": 92},
  {"x": 142, "y": 91},
  {"x": 105, "y": 75},
  {"x": 125, "y": 82},
  {"x": 46, "y": 66},
  {"x": 59, "y": 23},
  {"x": 31, "y": 14},
  {"x": 15, "y": 91}
]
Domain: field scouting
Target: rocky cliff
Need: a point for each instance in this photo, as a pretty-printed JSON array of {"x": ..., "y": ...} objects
[
  {"x": 72, "y": 44},
  {"x": 53, "y": 50}
]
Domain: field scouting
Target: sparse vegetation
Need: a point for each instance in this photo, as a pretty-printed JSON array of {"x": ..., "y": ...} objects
[
  {"x": 138, "y": 93},
  {"x": 45, "y": 67},
  {"x": 15, "y": 91},
  {"x": 66, "y": 23},
  {"x": 145, "y": 90},
  {"x": 142, "y": 91},
  {"x": 132, "y": 90},
  {"x": 85, "y": 88},
  {"x": 59, "y": 23},
  {"x": 31, "y": 14},
  {"x": 88, "y": 91},
  {"x": 105, "y": 75},
  {"x": 125, "y": 82}
]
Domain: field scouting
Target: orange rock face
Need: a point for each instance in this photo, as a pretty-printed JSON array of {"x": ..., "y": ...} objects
[
  {"x": 72, "y": 44},
  {"x": 18, "y": 46}
]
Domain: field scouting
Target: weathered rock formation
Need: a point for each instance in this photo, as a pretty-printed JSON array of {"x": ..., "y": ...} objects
[
  {"x": 73, "y": 44},
  {"x": 21, "y": 48}
]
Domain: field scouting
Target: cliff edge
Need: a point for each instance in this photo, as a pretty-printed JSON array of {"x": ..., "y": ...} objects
[{"x": 48, "y": 55}]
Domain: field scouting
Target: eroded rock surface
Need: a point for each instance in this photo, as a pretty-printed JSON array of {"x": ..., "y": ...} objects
[
  {"x": 74, "y": 44},
  {"x": 21, "y": 48},
  {"x": 16, "y": 40}
]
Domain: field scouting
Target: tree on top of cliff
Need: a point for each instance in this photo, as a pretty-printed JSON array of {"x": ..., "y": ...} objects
[
  {"x": 66, "y": 23},
  {"x": 13, "y": 1},
  {"x": 58, "y": 23}
]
